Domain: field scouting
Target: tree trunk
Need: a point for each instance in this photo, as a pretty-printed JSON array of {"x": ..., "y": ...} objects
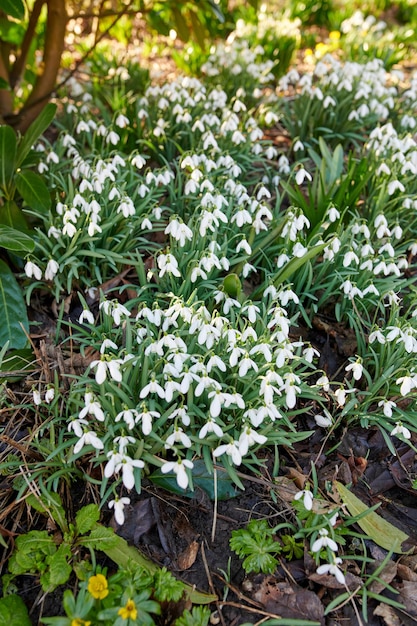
[{"x": 46, "y": 81}]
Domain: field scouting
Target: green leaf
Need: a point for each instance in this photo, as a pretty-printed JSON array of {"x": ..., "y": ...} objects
[
  {"x": 292, "y": 266},
  {"x": 34, "y": 131},
  {"x": 13, "y": 612},
  {"x": 4, "y": 84},
  {"x": 15, "y": 8},
  {"x": 50, "y": 504},
  {"x": 8, "y": 143},
  {"x": 17, "y": 365},
  {"x": 100, "y": 538},
  {"x": 33, "y": 190},
  {"x": 125, "y": 555},
  {"x": 223, "y": 489},
  {"x": 86, "y": 518},
  {"x": 181, "y": 25},
  {"x": 379, "y": 530},
  {"x": 14, "y": 320},
  {"x": 12, "y": 216},
  {"x": 15, "y": 240},
  {"x": 58, "y": 569}
]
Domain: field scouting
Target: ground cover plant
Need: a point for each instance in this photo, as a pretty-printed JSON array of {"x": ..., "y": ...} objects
[{"x": 219, "y": 273}]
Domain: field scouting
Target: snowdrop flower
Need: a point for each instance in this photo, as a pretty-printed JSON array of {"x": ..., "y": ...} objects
[
  {"x": 323, "y": 382},
  {"x": 88, "y": 438},
  {"x": 92, "y": 407},
  {"x": 129, "y": 416},
  {"x": 307, "y": 497},
  {"x": 167, "y": 263},
  {"x": 114, "y": 309},
  {"x": 152, "y": 387},
  {"x": 127, "y": 465},
  {"x": 107, "y": 343},
  {"x": 119, "y": 505},
  {"x": 401, "y": 430},
  {"x": 49, "y": 395},
  {"x": 86, "y": 316},
  {"x": 324, "y": 541},
  {"x": 395, "y": 185},
  {"x": 356, "y": 368},
  {"x": 298, "y": 146},
  {"x": 36, "y": 397},
  {"x": 51, "y": 269},
  {"x": 407, "y": 384},
  {"x": 323, "y": 420},
  {"x": 210, "y": 427},
  {"x": 31, "y": 269},
  {"x": 301, "y": 175},
  {"x": 387, "y": 405},
  {"x": 231, "y": 449},
  {"x": 179, "y": 468},
  {"x": 248, "y": 438},
  {"x": 105, "y": 366},
  {"x": 178, "y": 436},
  {"x": 332, "y": 568},
  {"x": 122, "y": 121}
]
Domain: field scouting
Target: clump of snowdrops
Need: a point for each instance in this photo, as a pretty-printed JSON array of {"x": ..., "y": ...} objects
[{"x": 199, "y": 356}]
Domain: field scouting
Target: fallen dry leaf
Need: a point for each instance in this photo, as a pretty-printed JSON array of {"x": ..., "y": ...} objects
[
  {"x": 388, "y": 615},
  {"x": 289, "y": 600},
  {"x": 188, "y": 556},
  {"x": 387, "y": 575}
]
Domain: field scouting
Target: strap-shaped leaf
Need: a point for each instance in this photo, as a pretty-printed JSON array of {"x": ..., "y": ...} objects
[
  {"x": 33, "y": 190},
  {"x": 15, "y": 240},
  {"x": 7, "y": 155},
  {"x": 34, "y": 131},
  {"x": 13, "y": 315},
  {"x": 12, "y": 216},
  {"x": 15, "y": 8}
]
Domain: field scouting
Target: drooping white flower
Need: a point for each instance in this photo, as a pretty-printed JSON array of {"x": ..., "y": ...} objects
[
  {"x": 332, "y": 568},
  {"x": 179, "y": 468},
  {"x": 231, "y": 449},
  {"x": 119, "y": 504},
  {"x": 324, "y": 541},
  {"x": 307, "y": 497},
  {"x": 401, "y": 430},
  {"x": 33, "y": 270}
]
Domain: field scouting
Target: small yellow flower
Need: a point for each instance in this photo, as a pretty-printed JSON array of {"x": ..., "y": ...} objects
[
  {"x": 334, "y": 35},
  {"x": 98, "y": 587},
  {"x": 80, "y": 622},
  {"x": 128, "y": 611}
]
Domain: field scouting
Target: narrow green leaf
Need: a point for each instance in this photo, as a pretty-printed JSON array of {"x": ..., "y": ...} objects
[
  {"x": 8, "y": 143},
  {"x": 33, "y": 190},
  {"x": 15, "y": 8},
  {"x": 13, "y": 315},
  {"x": 4, "y": 84},
  {"x": 15, "y": 240},
  {"x": 50, "y": 504},
  {"x": 379, "y": 530},
  {"x": 34, "y": 131}
]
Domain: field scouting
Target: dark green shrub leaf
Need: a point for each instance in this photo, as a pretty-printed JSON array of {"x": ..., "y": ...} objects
[
  {"x": 224, "y": 486},
  {"x": 12, "y": 310},
  {"x": 34, "y": 131},
  {"x": 15, "y": 240},
  {"x": 15, "y": 8},
  {"x": 8, "y": 145},
  {"x": 33, "y": 190},
  {"x": 12, "y": 216}
]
